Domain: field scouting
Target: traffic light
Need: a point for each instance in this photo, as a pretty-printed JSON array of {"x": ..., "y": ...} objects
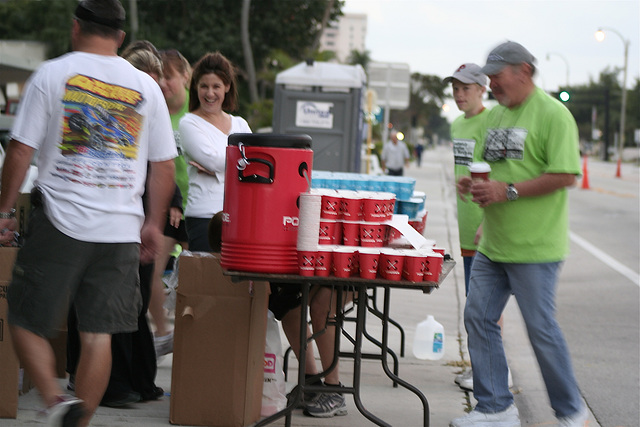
[{"x": 564, "y": 96}]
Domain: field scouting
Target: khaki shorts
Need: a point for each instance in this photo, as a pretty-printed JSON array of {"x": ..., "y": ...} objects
[{"x": 52, "y": 270}]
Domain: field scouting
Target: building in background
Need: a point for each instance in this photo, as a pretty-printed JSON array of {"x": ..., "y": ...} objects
[
  {"x": 345, "y": 35},
  {"x": 18, "y": 59}
]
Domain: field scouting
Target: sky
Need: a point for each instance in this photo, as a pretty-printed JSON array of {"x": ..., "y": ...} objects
[{"x": 436, "y": 36}]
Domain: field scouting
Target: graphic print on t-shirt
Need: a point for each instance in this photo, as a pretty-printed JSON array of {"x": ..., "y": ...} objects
[
  {"x": 505, "y": 143},
  {"x": 100, "y": 133},
  {"x": 463, "y": 151}
]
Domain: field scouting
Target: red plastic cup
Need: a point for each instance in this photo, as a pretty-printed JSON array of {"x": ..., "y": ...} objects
[
  {"x": 374, "y": 208},
  {"x": 389, "y": 202},
  {"x": 438, "y": 249},
  {"x": 391, "y": 262},
  {"x": 307, "y": 263},
  {"x": 414, "y": 266},
  {"x": 392, "y": 235},
  {"x": 351, "y": 233},
  {"x": 344, "y": 261},
  {"x": 434, "y": 267},
  {"x": 330, "y": 205},
  {"x": 351, "y": 206},
  {"x": 480, "y": 171},
  {"x": 323, "y": 262},
  {"x": 373, "y": 234},
  {"x": 337, "y": 234},
  {"x": 368, "y": 261},
  {"x": 327, "y": 232}
]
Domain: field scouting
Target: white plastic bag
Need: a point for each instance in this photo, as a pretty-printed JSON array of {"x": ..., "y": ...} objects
[
  {"x": 274, "y": 390},
  {"x": 171, "y": 282},
  {"x": 171, "y": 279}
]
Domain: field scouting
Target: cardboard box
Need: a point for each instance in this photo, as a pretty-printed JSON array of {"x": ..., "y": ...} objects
[
  {"x": 9, "y": 365},
  {"x": 218, "y": 347}
]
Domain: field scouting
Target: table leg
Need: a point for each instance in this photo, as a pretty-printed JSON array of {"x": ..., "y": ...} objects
[
  {"x": 374, "y": 309},
  {"x": 385, "y": 331},
  {"x": 357, "y": 362}
]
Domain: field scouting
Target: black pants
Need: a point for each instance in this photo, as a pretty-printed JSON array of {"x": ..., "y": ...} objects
[
  {"x": 134, "y": 363},
  {"x": 396, "y": 172},
  {"x": 198, "y": 233}
]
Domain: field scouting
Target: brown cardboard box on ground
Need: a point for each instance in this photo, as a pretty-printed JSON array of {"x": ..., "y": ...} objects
[
  {"x": 218, "y": 348},
  {"x": 9, "y": 365}
]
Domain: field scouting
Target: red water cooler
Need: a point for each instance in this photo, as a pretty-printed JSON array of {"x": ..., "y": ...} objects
[{"x": 265, "y": 174}]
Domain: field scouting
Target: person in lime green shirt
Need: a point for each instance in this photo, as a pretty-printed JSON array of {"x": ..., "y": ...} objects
[
  {"x": 177, "y": 73},
  {"x": 467, "y": 130},
  {"x": 531, "y": 144},
  {"x": 469, "y": 86}
]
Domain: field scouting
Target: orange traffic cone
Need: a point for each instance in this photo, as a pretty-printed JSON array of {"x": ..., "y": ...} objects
[
  {"x": 618, "y": 171},
  {"x": 585, "y": 174}
]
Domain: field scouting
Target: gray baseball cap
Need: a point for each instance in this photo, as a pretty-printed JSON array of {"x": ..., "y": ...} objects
[
  {"x": 467, "y": 74},
  {"x": 509, "y": 53}
]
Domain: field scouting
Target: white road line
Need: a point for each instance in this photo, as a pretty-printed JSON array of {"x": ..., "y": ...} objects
[{"x": 605, "y": 258}]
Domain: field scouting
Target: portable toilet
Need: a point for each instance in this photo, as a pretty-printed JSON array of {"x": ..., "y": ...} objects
[{"x": 325, "y": 101}]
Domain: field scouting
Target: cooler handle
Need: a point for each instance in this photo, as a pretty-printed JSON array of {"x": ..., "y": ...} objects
[{"x": 255, "y": 178}]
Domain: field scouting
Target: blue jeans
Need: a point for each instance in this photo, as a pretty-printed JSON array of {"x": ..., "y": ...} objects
[
  {"x": 467, "y": 262},
  {"x": 534, "y": 286}
]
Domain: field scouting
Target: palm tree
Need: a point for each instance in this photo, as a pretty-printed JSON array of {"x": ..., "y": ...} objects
[
  {"x": 363, "y": 58},
  {"x": 248, "y": 54}
]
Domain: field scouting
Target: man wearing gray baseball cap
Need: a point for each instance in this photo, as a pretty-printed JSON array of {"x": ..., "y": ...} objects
[{"x": 531, "y": 143}]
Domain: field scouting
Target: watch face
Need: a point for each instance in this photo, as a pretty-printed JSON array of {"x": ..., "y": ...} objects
[{"x": 512, "y": 193}]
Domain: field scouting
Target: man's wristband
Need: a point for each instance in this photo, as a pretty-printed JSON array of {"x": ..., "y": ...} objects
[{"x": 8, "y": 215}]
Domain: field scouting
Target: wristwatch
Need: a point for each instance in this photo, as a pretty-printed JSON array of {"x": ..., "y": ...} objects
[
  {"x": 512, "y": 193},
  {"x": 8, "y": 215}
]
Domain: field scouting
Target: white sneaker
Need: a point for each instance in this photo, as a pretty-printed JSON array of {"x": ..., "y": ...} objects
[
  {"x": 576, "y": 420},
  {"x": 510, "y": 378},
  {"x": 163, "y": 345},
  {"x": 465, "y": 380},
  {"x": 67, "y": 412},
  {"x": 507, "y": 418}
]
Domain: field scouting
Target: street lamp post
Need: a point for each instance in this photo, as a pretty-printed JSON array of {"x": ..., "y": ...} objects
[
  {"x": 565, "y": 63},
  {"x": 600, "y": 34}
]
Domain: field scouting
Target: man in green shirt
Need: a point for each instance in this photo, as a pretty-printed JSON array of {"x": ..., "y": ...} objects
[{"x": 532, "y": 146}]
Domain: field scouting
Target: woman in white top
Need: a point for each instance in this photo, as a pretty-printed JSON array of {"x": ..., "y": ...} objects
[{"x": 204, "y": 132}]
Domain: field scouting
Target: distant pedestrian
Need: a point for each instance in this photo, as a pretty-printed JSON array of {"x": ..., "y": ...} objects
[
  {"x": 532, "y": 145},
  {"x": 418, "y": 152},
  {"x": 395, "y": 155},
  {"x": 100, "y": 127}
]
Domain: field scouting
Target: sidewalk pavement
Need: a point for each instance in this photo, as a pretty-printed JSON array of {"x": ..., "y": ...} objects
[{"x": 396, "y": 406}]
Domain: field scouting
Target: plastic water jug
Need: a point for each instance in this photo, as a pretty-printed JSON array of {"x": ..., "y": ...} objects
[{"x": 428, "y": 343}]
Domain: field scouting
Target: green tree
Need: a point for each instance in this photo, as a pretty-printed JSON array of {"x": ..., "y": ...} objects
[
  {"x": 363, "y": 58},
  {"x": 44, "y": 21},
  {"x": 587, "y": 97},
  {"x": 194, "y": 27},
  {"x": 426, "y": 97}
]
